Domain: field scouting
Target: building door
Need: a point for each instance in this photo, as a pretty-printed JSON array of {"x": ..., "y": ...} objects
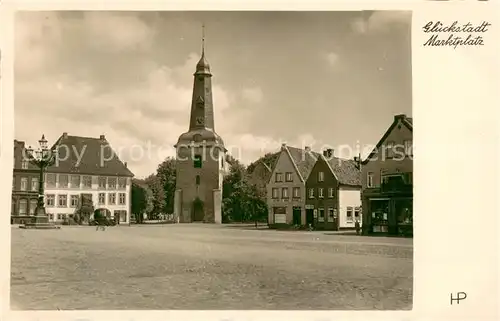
[
  {"x": 310, "y": 216},
  {"x": 297, "y": 213},
  {"x": 198, "y": 213}
]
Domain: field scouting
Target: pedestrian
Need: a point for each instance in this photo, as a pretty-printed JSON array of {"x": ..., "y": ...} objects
[{"x": 357, "y": 227}]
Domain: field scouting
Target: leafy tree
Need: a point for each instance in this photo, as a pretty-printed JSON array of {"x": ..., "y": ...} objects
[
  {"x": 269, "y": 159},
  {"x": 158, "y": 195},
  {"x": 166, "y": 174},
  {"x": 141, "y": 199}
]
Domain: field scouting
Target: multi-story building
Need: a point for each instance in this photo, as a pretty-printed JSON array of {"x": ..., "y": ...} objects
[
  {"x": 286, "y": 192},
  {"x": 85, "y": 167},
  {"x": 387, "y": 181},
  {"x": 333, "y": 199},
  {"x": 26, "y": 177}
]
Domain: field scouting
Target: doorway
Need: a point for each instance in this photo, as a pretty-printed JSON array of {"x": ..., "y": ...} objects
[
  {"x": 198, "y": 213},
  {"x": 310, "y": 216},
  {"x": 297, "y": 213}
]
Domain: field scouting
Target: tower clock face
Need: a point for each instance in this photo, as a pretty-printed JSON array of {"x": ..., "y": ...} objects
[{"x": 200, "y": 120}]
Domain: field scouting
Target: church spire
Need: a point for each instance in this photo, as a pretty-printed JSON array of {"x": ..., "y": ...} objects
[{"x": 203, "y": 67}]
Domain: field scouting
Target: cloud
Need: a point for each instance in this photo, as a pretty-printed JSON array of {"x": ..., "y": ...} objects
[
  {"x": 253, "y": 95},
  {"x": 331, "y": 58},
  {"x": 380, "y": 21}
]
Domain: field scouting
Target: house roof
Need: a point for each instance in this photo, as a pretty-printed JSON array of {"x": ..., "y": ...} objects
[
  {"x": 20, "y": 152},
  {"x": 405, "y": 120},
  {"x": 303, "y": 159},
  {"x": 97, "y": 157},
  {"x": 345, "y": 170}
]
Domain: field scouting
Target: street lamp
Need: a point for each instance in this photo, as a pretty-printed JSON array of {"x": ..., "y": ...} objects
[{"x": 43, "y": 157}]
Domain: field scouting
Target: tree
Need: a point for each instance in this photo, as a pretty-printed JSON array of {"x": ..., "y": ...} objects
[
  {"x": 166, "y": 174},
  {"x": 241, "y": 200},
  {"x": 158, "y": 195},
  {"x": 141, "y": 199},
  {"x": 269, "y": 159}
]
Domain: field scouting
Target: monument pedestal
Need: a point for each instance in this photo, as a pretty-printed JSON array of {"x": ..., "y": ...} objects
[{"x": 40, "y": 221}]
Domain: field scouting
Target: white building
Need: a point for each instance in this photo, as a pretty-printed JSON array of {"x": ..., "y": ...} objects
[{"x": 89, "y": 167}]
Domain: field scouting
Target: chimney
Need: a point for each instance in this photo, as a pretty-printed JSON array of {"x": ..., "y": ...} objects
[
  {"x": 125, "y": 163},
  {"x": 102, "y": 137},
  {"x": 283, "y": 146},
  {"x": 65, "y": 135},
  {"x": 328, "y": 152}
]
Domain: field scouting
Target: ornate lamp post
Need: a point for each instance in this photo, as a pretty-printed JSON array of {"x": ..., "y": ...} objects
[{"x": 42, "y": 158}]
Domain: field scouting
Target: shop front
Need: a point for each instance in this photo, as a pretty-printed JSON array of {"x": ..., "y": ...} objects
[{"x": 391, "y": 216}]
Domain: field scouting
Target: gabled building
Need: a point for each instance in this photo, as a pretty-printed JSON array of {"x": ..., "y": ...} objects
[
  {"x": 333, "y": 199},
  {"x": 286, "y": 192},
  {"x": 25, "y": 180},
  {"x": 387, "y": 181},
  {"x": 260, "y": 175},
  {"x": 87, "y": 168}
]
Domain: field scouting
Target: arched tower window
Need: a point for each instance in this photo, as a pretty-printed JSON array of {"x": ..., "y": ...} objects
[{"x": 197, "y": 179}]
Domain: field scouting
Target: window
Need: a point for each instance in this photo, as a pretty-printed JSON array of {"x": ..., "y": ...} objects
[
  {"x": 284, "y": 192},
  {"x": 389, "y": 147},
  {"x": 311, "y": 193},
  {"x": 122, "y": 198},
  {"x": 61, "y": 217},
  {"x": 75, "y": 181},
  {"x": 320, "y": 192},
  {"x": 296, "y": 192},
  {"x": 197, "y": 161},
  {"x": 321, "y": 214},
  {"x": 33, "y": 203},
  {"x": 321, "y": 176},
  {"x": 24, "y": 183},
  {"x": 288, "y": 177},
  {"x": 102, "y": 181},
  {"x": 331, "y": 214},
  {"x": 51, "y": 217},
  {"x": 275, "y": 193},
  {"x": 24, "y": 164},
  {"x": 51, "y": 180},
  {"x": 74, "y": 200},
  {"x": 349, "y": 214},
  {"x": 87, "y": 181},
  {"x": 112, "y": 198},
  {"x": 23, "y": 207},
  {"x": 111, "y": 182},
  {"x": 50, "y": 200},
  {"x": 369, "y": 180},
  {"x": 13, "y": 183},
  {"x": 62, "y": 200},
  {"x": 408, "y": 147},
  {"x": 197, "y": 179},
  {"x": 63, "y": 180},
  {"x": 330, "y": 192},
  {"x": 34, "y": 184},
  {"x": 122, "y": 182},
  {"x": 279, "y": 177},
  {"x": 357, "y": 212},
  {"x": 102, "y": 199}
]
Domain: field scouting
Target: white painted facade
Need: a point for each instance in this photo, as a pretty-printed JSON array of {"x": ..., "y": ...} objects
[
  {"x": 349, "y": 201},
  {"x": 57, "y": 208}
]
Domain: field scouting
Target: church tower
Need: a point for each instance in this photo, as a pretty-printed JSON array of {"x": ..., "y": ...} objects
[{"x": 200, "y": 156}]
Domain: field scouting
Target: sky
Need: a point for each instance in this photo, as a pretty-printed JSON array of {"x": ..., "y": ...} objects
[{"x": 303, "y": 78}]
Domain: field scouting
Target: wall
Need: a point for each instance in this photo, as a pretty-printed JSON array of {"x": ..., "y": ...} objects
[
  {"x": 211, "y": 175},
  {"x": 94, "y": 190},
  {"x": 398, "y": 136},
  {"x": 348, "y": 197},
  {"x": 284, "y": 164}
]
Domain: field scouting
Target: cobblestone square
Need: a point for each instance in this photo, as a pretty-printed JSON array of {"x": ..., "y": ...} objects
[{"x": 207, "y": 267}]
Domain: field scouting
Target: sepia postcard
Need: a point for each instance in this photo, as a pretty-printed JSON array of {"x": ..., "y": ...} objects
[{"x": 247, "y": 160}]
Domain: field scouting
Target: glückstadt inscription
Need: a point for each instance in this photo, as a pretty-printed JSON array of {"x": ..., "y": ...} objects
[{"x": 455, "y": 34}]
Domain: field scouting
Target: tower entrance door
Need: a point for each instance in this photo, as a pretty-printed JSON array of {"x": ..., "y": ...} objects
[{"x": 198, "y": 212}]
